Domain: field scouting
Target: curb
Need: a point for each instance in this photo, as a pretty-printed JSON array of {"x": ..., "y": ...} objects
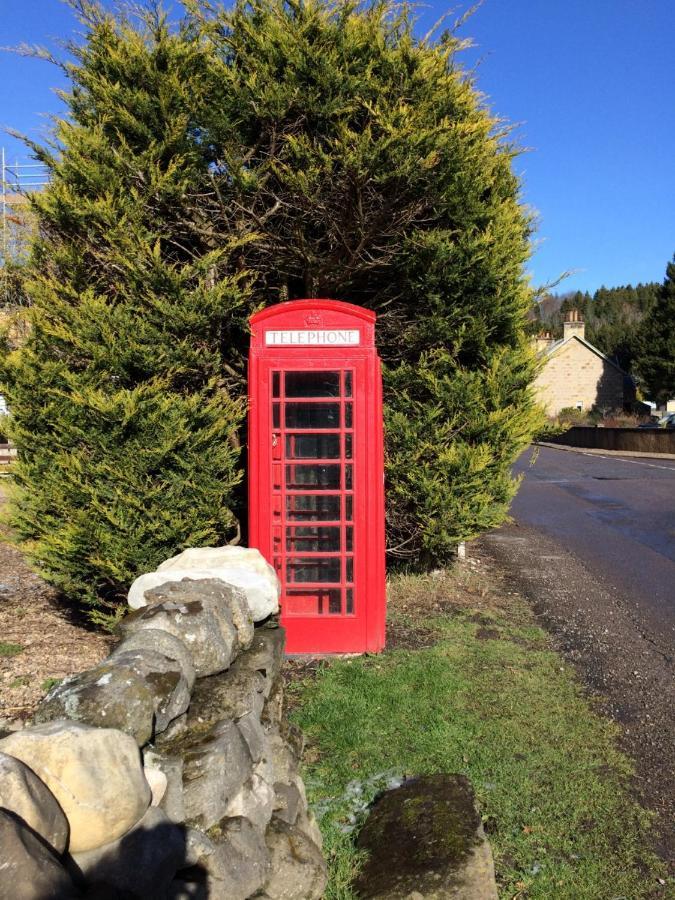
[{"x": 592, "y": 451}]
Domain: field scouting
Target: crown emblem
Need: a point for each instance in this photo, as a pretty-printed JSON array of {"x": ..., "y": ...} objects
[{"x": 313, "y": 320}]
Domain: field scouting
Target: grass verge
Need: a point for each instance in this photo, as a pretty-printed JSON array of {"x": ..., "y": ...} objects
[{"x": 474, "y": 687}]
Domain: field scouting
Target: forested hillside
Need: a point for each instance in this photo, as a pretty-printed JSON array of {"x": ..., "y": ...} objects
[{"x": 612, "y": 317}]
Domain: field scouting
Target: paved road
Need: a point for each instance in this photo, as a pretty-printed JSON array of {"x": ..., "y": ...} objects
[
  {"x": 615, "y": 514},
  {"x": 593, "y": 549}
]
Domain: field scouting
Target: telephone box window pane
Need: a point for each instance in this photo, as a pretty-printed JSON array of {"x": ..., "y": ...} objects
[
  {"x": 349, "y": 539},
  {"x": 348, "y": 478},
  {"x": 310, "y": 570},
  {"x": 348, "y": 508},
  {"x": 348, "y": 384},
  {"x": 314, "y": 476},
  {"x": 313, "y": 539},
  {"x": 315, "y": 601},
  {"x": 313, "y": 507},
  {"x": 348, "y": 446},
  {"x": 275, "y": 416},
  {"x": 312, "y": 415},
  {"x": 312, "y": 384},
  {"x": 275, "y": 384},
  {"x": 350, "y": 602},
  {"x": 312, "y": 446},
  {"x": 348, "y": 415},
  {"x": 350, "y": 568}
]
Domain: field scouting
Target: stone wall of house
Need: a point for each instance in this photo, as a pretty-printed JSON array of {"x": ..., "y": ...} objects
[
  {"x": 169, "y": 770},
  {"x": 573, "y": 375}
]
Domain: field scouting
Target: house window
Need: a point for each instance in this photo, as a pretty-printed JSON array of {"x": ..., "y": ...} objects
[{"x": 579, "y": 405}]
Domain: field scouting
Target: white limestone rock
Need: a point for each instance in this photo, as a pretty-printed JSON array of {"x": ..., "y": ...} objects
[
  {"x": 95, "y": 774},
  {"x": 254, "y": 801},
  {"x": 25, "y": 795},
  {"x": 297, "y": 869},
  {"x": 243, "y": 567},
  {"x": 199, "y": 613},
  {"x": 158, "y": 783}
]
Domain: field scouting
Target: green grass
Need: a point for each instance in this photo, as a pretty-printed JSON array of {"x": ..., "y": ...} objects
[
  {"x": 10, "y": 649},
  {"x": 551, "y": 785},
  {"x": 49, "y": 683}
]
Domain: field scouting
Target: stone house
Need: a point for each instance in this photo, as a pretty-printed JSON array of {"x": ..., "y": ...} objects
[{"x": 576, "y": 374}]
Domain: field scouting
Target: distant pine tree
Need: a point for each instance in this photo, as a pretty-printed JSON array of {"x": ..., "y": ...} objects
[
  {"x": 655, "y": 361},
  {"x": 612, "y": 317}
]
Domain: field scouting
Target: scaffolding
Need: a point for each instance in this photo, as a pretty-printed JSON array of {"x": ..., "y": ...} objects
[{"x": 17, "y": 180}]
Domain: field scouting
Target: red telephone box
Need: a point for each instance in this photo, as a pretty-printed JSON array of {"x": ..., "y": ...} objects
[{"x": 316, "y": 471}]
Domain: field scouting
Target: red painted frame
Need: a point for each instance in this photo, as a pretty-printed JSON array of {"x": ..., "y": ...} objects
[{"x": 310, "y": 631}]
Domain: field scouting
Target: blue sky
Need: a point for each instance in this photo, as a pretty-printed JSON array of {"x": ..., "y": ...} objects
[{"x": 591, "y": 84}]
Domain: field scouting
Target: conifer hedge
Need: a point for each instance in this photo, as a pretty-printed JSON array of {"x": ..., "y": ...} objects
[{"x": 248, "y": 156}]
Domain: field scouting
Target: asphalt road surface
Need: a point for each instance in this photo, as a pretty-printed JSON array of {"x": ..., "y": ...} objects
[
  {"x": 617, "y": 515},
  {"x": 592, "y": 546}
]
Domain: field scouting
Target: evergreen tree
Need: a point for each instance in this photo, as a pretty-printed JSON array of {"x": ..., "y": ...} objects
[
  {"x": 127, "y": 434},
  {"x": 249, "y": 156},
  {"x": 655, "y": 361},
  {"x": 364, "y": 166}
]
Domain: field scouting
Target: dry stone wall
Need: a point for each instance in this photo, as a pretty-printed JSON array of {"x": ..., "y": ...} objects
[{"x": 169, "y": 770}]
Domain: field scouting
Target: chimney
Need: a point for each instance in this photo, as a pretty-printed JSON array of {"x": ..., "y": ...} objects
[
  {"x": 573, "y": 324},
  {"x": 543, "y": 341}
]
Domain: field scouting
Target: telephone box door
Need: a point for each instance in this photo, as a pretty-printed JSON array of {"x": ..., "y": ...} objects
[{"x": 316, "y": 498}]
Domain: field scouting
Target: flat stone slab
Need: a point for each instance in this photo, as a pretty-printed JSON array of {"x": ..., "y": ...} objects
[{"x": 426, "y": 842}]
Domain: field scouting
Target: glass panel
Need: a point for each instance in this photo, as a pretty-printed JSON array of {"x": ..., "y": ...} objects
[
  {"x": 308, "y": 570},
  {"x": 348, "y": 384},
  {"x": 312, "y": 415},
  {"x": 313, "y": 539},
  {"x": 315, "y": 476},
  {"x": 321, "y": 601},
  {"x": 348, "y": 508},
  {"x": 313, "y": 446},
  {"x": 275, "y": 415},
  {"x": 275, "y": 384},
  {"x": 350, "y": 568},
  {"x": 312, "y": 384},
  {"x": 276, "y": 477},
  {"x": 313, "y": 507},
  {"x": 348, "y": 478},
  {"x": 348, "y": 446},
  {"x": 349, "y": 538},
  {"x": 350, "y": 602},
  {"x": 348, "y": 415}
]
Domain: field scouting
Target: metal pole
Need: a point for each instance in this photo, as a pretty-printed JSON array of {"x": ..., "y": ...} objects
[
  {"x": 4, "y": 226},
  {"x": 4, "y": 208}
]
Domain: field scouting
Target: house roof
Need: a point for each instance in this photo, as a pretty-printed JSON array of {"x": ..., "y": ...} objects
[{"x": 558, "y": 345}]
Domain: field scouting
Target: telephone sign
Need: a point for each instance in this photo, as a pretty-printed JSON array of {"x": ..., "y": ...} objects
[{"x": 316, "y": 471}]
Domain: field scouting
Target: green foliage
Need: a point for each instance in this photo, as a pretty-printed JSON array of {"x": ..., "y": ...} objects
[
  {"x": 366, "y": 168},
  {"x": 10, "y": 649},
  {"x": 248, "y": 156},
  {"x": 655, "y": 361},
  {"x": 127, "y": 433}
]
